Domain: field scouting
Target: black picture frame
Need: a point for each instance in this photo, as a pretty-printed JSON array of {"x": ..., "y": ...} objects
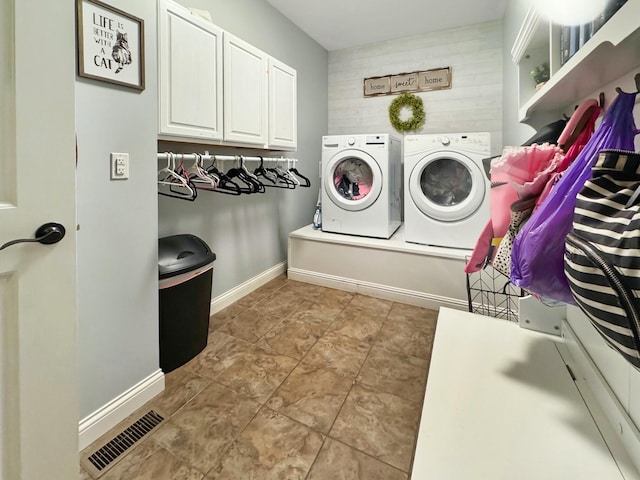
[{"x": 110, "y": 45}]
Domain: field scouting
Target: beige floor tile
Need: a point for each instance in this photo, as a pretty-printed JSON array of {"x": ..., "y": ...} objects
[
  {"x": 311, "y": 311},
  {"x": 312, "y": 396},
  {"x": 306, "y": 291},
  {"x": 379, "y": 424},
  {"x": 411, "y": 312},
  {"x": 341, "y": 462},
  {"x": 249, "y": 370},
  {"x": 354, "y": 323},
  {"x": 341, "y": 354},
  {"x": 301, "y": 349},
  {"x": 149, "y": 461},
  {"x": 263, "y": 292},
  {"x": 219, "y": 319},
  {"x": 333, "y": 301},
  {"x": 408, "y": 336},
  {"x": 220, "y": 349},
  {"x": 251, "y": 324},
  {"x": 292, "y": 337},
  {"x": 180, "y": 386},
  {"x": 272, "y": 447},
  {"x": 282, "y": 304},
  {"x": 393, "y": 372},
  {"x": 373, "y": 306},
  {"x": 201, "y": 432}
]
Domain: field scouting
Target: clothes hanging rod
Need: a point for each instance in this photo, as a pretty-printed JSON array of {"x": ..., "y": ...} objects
[{"x": 206, "y": 156}]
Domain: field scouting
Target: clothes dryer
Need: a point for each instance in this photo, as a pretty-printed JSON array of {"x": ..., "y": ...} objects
[
  {"x": 361, "y": 184},
  {"x": 446, "y": 192}
]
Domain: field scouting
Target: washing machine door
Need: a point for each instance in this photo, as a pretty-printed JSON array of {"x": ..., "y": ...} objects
[
  {"x": 447, "y": 186},
  {"x": 352, "y": 179}
]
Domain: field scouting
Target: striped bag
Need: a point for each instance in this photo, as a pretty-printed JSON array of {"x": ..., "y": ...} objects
[{"x": 602, "y": 252}]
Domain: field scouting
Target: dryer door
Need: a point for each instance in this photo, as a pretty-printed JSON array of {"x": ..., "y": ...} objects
[
  {"x": 352, "y": 179},
  {"x": 447, "y": 186}
]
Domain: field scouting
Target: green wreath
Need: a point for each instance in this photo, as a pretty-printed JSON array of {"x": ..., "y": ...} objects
[{"x": 410, "y": 101}]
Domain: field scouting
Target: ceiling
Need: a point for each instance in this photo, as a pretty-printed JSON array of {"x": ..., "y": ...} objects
[{"x": 338, "y": 24}]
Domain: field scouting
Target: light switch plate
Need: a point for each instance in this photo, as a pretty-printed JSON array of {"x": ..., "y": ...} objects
[{"x": 119, "y": 166}]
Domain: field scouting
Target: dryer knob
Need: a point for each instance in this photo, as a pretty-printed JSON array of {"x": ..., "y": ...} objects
[
  {"x": 446, "y": 140},
  {"x": 351, "y": 141}
]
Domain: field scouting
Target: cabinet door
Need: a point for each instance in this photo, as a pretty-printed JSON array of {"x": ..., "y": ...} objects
[
  {"x": 283, "y": 125},
  {"x": 245, "y": 92},
  {"x": 190, "y": 65}
]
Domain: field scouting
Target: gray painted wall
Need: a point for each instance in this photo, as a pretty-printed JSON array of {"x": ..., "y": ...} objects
[
  {"x": 117, "y": 240},
  {"x": 249, "y": 233},
  {"x": 119, "y": 220},
  {"x": 474, "y": 103}
]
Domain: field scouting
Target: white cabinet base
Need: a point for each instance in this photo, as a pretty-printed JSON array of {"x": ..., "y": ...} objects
[{"x": 392, "y": 269}]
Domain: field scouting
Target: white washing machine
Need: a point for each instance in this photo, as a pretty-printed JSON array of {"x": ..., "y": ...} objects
[
  {"x": 361, "y": 184},
  {"x": 446, "y": 191}
]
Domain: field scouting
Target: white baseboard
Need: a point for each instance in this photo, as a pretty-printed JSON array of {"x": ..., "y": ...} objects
[
  {"x": 617, "y": 428},
  {"x": 222, "y": 301},
  {"x": 386, "y": 292},
  {"x": 108, "y": 416}
]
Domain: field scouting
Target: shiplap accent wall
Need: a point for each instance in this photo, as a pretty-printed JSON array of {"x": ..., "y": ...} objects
[{"x": 474, "y": 103}]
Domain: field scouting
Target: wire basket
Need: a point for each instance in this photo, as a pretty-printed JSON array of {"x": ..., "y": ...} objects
[{"x": 490, "y": 293}]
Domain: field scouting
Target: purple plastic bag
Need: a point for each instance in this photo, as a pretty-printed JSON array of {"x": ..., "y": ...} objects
[{"x": 537, "y": 257}]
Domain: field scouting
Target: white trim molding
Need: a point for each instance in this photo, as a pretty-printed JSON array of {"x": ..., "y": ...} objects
[
  {"x": 227, "y": 298},
  {"x": 108, "y": 416},
  {"x": 386, "y": 292}
]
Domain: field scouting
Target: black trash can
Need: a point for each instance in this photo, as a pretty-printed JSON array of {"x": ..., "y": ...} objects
[{"x": 185, "y": 265}]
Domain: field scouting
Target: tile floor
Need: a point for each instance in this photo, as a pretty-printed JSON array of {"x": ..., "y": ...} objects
[{"x": 297, "y": 382}]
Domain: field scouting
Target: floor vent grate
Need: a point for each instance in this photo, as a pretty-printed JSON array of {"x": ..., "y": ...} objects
[{"x": 99, "y": 460}]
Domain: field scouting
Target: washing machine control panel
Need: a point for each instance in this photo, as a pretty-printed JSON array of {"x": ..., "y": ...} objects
[
  {"x": 331, "y": 142},
  {"x": 479, "y": 142}
]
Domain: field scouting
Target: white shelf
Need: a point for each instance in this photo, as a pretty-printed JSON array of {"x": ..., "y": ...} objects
[{"x": 613, "y": 51}]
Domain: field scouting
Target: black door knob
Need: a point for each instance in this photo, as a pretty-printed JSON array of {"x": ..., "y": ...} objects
[{"x": 46, "y": 234}]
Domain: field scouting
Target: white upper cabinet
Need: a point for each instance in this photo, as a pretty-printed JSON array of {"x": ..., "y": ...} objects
[
  {"x": 612, "y": 51},
  {"x": 216, "y": 88},
  {"x": 283, "y": 125},
  {"x": 245, "y": 92},
  {"x": 190, "y": 66}
]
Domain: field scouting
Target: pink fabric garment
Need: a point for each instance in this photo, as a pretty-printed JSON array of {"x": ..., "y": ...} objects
[
  {"x": 571, "y": 154},
  {"x": 528, "y": 168},
  {"x": 481, "y": 250},
  {"x": 519, "y": 171}
]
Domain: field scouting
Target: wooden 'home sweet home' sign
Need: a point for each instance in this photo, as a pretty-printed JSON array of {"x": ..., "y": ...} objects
[{"x": 434, "y": 79}]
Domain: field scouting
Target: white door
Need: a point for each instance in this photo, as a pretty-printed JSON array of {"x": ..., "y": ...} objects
[
  {"x": 283, "y": 105},
  {"x": 38, "y": 353},
  {"x": 245, "y": 92},
  {"x": 447, "y": 186}
]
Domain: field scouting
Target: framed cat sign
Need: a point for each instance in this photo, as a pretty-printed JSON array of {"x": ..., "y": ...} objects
[{"x": 110, "y": 44}]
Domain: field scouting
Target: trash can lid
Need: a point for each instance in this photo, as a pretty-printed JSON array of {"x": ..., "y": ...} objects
[{"x": 183, "y": 253}]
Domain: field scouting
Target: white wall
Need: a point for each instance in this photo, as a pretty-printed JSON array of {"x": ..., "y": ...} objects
[
  {"x": 474, "y": 103},
  {"x": 117, "y": 236},
  {"x": 249, "y": 233}
]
